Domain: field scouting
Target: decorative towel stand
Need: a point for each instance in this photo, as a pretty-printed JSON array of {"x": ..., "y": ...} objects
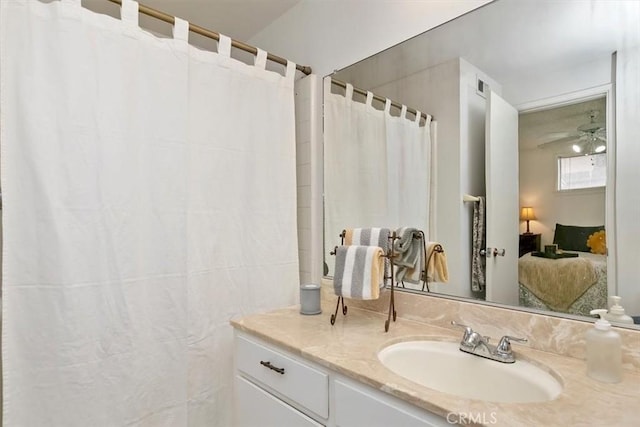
[{"x": 389, "y": 255}]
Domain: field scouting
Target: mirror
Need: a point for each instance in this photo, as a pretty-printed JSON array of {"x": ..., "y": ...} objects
[{"x": 570, "y": 70}]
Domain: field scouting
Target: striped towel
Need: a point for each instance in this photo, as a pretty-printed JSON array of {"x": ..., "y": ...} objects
[
  {"x": 409, "y": 255},
  {"x": 359, "y": 272},
  {"x": 370, "y": 237}
]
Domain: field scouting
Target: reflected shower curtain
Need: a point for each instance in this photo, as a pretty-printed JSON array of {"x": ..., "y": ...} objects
[
  {"x": 146, "y": 185},
  {"x": 409, "y": 169},
  {"x": 355, "y": 166},
  {"x": 377, "y": 167}
]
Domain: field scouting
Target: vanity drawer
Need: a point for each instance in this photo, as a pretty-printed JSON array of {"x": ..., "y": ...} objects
[
  {"x": 299, "y": 383},
  {"x": 259, "y": 408}
]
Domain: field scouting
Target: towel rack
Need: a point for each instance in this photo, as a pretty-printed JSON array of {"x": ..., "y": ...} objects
[
  {"x": 470, "y": 198},
  {"x": 392, "y": 306},
  {"x": 340, "y": 298}
]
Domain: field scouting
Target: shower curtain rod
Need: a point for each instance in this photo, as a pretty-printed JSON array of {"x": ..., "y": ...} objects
[
  {"x": 212, "y": 35},
  {"x": 378, "y": 98}
]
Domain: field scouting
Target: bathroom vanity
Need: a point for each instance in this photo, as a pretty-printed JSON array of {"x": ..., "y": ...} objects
[
  {"x": 274, "y": 387},
  {"x": 299, "y": 370}
]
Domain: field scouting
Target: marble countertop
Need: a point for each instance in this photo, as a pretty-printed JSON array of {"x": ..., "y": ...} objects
[{"x": 350, "y": 347}]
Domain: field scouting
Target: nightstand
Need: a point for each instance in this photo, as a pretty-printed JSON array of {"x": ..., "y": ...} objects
[{"x": 529, "y": 243}]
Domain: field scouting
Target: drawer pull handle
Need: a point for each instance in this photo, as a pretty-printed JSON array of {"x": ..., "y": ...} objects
[{"x": 273, "y": 368}]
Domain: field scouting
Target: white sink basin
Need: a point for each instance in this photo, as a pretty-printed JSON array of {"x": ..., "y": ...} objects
[{"x": 440, "y": 365}]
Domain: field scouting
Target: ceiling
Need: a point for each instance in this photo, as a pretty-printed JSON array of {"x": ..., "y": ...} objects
[
  {"x": 558, "y": 124},
  {"x": 510, "y": 39},
  {"x": 238, "y": 19}
]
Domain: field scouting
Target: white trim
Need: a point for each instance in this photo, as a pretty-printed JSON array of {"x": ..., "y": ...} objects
[
  {"x": 611, "y": 223},
  {"x": 582, "y": 191},
  {"x": 568, "y": 99}
]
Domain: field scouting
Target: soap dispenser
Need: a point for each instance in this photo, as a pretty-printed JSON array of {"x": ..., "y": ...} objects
[
  {"x": 616, "y": 313},
  {"x": 604, "y": 351}
]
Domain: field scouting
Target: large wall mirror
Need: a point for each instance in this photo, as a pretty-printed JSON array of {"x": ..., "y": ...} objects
[{"x": 535, "y": 105}]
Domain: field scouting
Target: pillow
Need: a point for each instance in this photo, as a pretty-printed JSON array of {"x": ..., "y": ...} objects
[
  {"x": 598, "y": 242},
  {"x": 573, "y": 237}
]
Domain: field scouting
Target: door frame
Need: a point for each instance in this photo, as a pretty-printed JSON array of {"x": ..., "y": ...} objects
[{"x": 575, "y": 97}]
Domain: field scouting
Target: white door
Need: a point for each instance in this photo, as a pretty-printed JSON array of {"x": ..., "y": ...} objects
[{"x": 502, "y": 216}]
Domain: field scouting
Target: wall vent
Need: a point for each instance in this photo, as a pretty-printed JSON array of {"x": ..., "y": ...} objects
[{"x": 481, "y": 87}]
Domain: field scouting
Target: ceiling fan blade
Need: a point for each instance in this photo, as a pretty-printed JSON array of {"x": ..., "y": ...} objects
[
  {"x": 565, "y": 140},
  {"x": 552, "y": 136},
  {"x": 591, "y": 127}
]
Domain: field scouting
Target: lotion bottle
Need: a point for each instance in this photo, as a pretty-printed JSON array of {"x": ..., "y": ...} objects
[
  {"x": 604, "y": 351},
  {"x": 616, "y": 313}
]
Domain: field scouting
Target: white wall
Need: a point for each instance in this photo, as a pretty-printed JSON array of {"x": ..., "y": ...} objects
[
  {"x": 538, "y": 175},
  {"x": 332, "y": 34}
]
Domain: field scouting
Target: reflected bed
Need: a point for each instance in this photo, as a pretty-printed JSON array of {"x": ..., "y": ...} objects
[{"x": 571, "y": 285}]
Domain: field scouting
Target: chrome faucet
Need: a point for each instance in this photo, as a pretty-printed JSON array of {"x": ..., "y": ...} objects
[{"x": 478, "y": 345}]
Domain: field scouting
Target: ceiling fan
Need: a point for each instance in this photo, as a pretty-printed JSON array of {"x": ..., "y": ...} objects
[{"x": 590, "y": 138}]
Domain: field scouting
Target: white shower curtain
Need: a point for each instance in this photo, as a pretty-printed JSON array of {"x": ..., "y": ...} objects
[
  {"x": 408, "y": 169},
  {"x": 355, "y": 174},
  {"x": 149, "y": 197},
  {"x": 377, "y": 167}
]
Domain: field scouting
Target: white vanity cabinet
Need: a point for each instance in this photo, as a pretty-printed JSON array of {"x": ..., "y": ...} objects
[
  {"x": 257, "y": 407},
  {"x": 358, "y": 405},
  {"x": 276, "y": 388}
]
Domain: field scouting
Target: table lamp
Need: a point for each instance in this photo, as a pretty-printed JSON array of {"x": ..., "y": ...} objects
[{"x": 527, "y": 214}]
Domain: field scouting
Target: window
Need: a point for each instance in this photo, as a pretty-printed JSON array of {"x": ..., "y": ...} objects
[{"x": 582, "y": 172}]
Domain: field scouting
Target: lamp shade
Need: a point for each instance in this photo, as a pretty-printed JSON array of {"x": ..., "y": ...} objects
[{"x": 527, "y": 213}]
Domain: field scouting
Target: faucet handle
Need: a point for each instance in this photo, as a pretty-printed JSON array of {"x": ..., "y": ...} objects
[
  {"x": 460, "y": 325},
  {"x": 467, "y": 330},
  {"x": 504, "y": 346}
]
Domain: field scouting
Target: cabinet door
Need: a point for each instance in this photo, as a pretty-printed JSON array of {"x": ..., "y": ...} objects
[
  {"x": 255, "y": 407},
  {"x": 358, "y": 407}
]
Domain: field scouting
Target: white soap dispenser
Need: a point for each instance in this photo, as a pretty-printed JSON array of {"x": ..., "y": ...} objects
[
  {"x": 616, "y": 312},
  {"x": 604, "y": 351}
]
